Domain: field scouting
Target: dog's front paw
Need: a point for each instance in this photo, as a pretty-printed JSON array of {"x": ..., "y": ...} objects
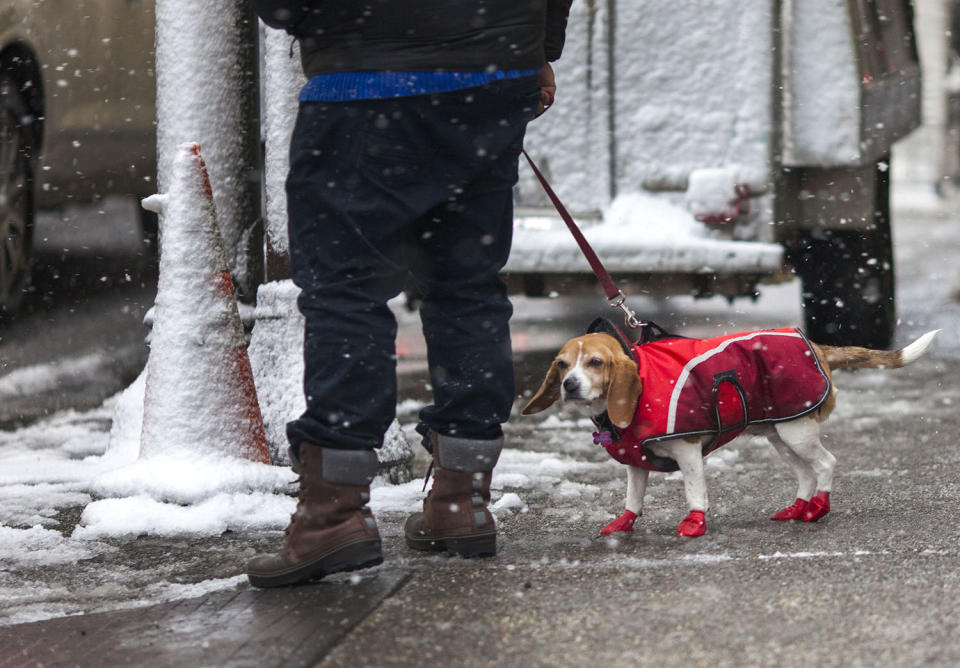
[
  {"x": 818, "y": 507},
  {"x": 794, "y": 512},
  {"x": 622, "y": 523},
  {"x": 693, "y": 525}
]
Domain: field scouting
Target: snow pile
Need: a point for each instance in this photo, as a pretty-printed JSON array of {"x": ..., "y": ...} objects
[
  {"x": 522, "y": 470},
  {"x": 170, "y": 464},
  {"x": 517, "y": 475},
  {"x": 722, "y": 459},
  {"x": 187, "y": 481},
  {"x": 127, "y": 423},
  {"x": 49, "y": 465},
  {"x": 648, "y": 218},
  {"x": 64, "y": 461},
  {"x": 207, "y": 503},
  {"x": 712, "y": 194},
  {"x": 276, "y": 358},
  {"x": 211, "y": 517}
]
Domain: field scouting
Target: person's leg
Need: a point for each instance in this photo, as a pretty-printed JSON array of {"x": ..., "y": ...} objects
[
  {"x": 456, "y": 258},
  {"x": 459, "y": 251},
  {"x": 345, "y": 256},
  {"x": 466, "y": 312},
  {"x": 349, "y": 210}
]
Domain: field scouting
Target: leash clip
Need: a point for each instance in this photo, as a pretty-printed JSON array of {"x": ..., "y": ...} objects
[{"x": 630, "y": 318}]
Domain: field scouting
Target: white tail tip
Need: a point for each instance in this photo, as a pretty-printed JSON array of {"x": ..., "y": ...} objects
[{"x": 913, "y": 352}]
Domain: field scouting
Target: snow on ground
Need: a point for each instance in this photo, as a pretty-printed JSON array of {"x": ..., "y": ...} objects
[
  {"x": 37, "y": 546},
  {"x": 45, "y": 377},
  {"x": 138, "y": 515},
  {"x": 65, "y": 461}
]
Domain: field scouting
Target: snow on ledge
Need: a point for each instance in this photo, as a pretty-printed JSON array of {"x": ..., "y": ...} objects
[{"x": 640, "y": 233}]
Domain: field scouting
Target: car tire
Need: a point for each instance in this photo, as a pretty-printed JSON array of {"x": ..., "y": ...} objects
[
  {"x": 848, "y": 278},
  {"x": 16, "y": 197}
]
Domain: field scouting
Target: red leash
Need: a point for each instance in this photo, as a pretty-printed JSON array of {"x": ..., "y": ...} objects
[{"x": 615, "y": 297}]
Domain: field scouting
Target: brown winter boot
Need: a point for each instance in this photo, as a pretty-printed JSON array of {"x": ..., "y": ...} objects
[
  {"x": 332, "y": 529},
  {"x": 455, "y": 517}
]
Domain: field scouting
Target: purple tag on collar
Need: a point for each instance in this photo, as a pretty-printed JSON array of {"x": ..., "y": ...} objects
[{"x": 602, "y": 438}]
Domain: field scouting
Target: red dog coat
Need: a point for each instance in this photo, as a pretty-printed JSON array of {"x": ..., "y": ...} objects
[{"x": 718, "y": 386}]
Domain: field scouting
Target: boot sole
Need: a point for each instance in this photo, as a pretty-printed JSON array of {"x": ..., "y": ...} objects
[
  {"x": 349, "y": 557},
  {"x": 479, "y": 545}
]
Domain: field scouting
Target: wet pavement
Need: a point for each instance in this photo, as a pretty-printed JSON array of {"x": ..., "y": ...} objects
[
  {"x": 291, "y": 627},
  {"x": 80, "y": 335}
]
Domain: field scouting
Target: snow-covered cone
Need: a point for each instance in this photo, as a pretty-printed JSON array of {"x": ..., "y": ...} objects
[{"x": 200, "y": 398}]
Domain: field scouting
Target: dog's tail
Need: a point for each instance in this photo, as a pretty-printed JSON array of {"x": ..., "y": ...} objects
[{"x": 865, "y": 358}]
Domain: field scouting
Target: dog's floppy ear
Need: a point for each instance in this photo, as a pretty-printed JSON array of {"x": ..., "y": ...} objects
[
  {"x": 623, "y": 392},
  {"x": 548, "y": 393}
]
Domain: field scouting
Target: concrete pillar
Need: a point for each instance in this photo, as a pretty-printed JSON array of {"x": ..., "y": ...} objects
[{"x": 206, "y": 55}]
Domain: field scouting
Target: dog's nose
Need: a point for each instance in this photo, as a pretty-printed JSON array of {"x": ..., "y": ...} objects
[{"x": 571, "y": 385}]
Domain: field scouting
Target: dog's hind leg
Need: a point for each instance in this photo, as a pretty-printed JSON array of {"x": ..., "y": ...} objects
[
  {"x": 802, "y": 436},
  {"x": 636, "y": 489},
  {"x": 806, "y": 478}
]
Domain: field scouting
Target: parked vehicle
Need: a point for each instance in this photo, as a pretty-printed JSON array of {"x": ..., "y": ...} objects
[
  {"x": 77, "y": 98},
  {"x": 708, "y": 151}
]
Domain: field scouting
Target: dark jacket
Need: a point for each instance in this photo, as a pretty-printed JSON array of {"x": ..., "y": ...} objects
[{"x": 420, "y": 35}]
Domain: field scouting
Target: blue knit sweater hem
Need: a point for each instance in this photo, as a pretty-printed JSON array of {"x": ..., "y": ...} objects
[{"x": 346, "y": 86}]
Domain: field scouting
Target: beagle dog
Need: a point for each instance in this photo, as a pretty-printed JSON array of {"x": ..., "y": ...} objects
[{"x": 595, "y": 373}]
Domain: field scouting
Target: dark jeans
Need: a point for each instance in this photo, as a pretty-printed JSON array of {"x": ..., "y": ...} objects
[{"x": 380, "y": 189}]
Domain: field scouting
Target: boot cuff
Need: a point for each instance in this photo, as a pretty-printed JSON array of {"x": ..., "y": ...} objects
[
  {"x": 349, "y": 467},
  {"x": 468, "y": 455}
]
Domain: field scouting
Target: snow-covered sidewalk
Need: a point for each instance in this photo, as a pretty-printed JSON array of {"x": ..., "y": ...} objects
[{"x": 52, "y": 518}]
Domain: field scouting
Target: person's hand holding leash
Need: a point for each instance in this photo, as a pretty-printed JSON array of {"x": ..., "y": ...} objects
[{"x": 548, "y": 89}]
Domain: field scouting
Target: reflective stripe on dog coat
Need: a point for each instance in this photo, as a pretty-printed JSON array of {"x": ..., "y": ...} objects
[{"x": 717, "y": 386}]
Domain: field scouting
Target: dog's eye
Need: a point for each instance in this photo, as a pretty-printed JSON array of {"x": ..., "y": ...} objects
[
  {"x": 596, "y": 361},
  {"x": 561, "y": 364}
]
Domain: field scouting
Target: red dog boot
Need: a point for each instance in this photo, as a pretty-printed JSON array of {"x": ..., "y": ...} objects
[
  {"x": 818, "y": 507},
  {"x": 794, "y": 512},
  {"x": 622, "y": 523},
  {"x": 692, "y": 525}
]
